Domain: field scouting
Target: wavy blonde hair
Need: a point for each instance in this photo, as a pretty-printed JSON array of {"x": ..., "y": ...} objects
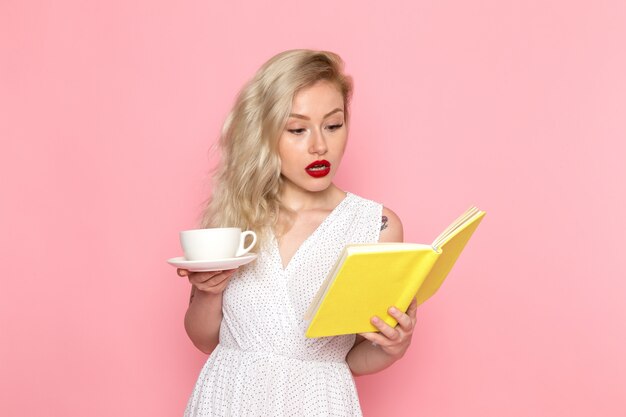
[{"x": 247, "y": 182}]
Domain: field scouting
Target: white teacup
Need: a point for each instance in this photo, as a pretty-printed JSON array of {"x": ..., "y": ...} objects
[{"x": 215, "y": 243}]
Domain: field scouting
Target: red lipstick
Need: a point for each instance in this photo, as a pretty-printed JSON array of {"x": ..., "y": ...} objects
[{"x": 318, "y": 169}]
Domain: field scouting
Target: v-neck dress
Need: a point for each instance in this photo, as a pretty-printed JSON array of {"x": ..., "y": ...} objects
[{"x": 263, "y": 364}]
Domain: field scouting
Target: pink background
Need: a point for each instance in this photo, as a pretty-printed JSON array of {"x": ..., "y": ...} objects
[{"x": 107, "y": 110}]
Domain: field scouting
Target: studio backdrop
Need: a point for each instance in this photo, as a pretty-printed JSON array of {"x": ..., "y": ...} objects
[{"x": 107, "y": 113}]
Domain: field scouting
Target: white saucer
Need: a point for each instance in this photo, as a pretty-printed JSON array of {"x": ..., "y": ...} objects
[{"x": 212, "y": 265}]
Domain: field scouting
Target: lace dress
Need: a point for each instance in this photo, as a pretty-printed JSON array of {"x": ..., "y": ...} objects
[{"x": 263, "y": 364}]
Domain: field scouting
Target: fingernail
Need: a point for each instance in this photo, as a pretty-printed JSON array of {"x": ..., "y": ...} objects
[
  {"x": 375, "y": 319},
  {"x": 393, "y": 310}
]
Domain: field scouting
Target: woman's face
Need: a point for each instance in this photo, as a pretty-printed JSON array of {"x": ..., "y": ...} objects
[{"x": 314, "y": 139}]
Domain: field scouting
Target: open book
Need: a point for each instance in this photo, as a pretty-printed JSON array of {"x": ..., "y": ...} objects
[{"x": 369, "y": 278}]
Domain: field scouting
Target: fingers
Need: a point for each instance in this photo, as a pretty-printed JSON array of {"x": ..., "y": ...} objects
[
  {"x": 214, "y": 281},
  {"x": 404, "y": 320},
  {"x": 385, "y": 329},
  {"x": 215, "y": 288},
  {"x": 412, "y": 310},
  {"x": 393, "y": 341},
  {"x": 199, "y": 277},
  {"x": 406, "y": 323},
  {"x": 214, "y": 277},
  {"x": 375, "y": 338}
]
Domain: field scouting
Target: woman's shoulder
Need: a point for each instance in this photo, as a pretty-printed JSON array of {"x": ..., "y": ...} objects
[
  {"x": 390, "y": 227},
  {"x": 390, "y": 224},
  {"x": 362, "y": 200}
]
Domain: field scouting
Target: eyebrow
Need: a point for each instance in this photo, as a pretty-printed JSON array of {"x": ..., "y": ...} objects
[{"x": 300, "y": 116}]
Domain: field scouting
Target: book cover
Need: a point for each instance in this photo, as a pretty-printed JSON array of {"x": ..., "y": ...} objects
[{"x": 369, "y": 278}]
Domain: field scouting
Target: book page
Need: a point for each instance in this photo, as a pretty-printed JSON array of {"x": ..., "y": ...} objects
[{"x": 457, "y": 224}]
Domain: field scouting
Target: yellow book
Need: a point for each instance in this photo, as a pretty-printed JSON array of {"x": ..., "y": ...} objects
[{"x": 369, "y": 278}]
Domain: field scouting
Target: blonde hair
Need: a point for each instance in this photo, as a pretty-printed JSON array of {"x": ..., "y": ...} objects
[{"x": 247, "y": 182}]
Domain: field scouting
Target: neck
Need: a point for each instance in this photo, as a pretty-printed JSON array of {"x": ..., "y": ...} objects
[{"x": 297, "y": 199}]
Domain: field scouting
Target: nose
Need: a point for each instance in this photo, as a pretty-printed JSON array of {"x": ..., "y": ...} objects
[{"x": 318, "y": 143}]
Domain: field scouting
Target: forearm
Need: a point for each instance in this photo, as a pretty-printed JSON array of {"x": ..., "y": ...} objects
[
  {"x": 365, "y": 358},
  {"x": 203, "y": 320}
]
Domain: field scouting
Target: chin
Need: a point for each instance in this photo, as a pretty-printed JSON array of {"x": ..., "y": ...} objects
[
  {"x": 316, "y": 185},
  {"x": 309, "y": 184},
  {"x": 320, "y": 189}
]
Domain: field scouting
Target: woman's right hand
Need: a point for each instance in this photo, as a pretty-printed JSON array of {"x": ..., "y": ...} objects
[
  {"x": 204, "y": 314},
  {"x": 213, "y": 282}
]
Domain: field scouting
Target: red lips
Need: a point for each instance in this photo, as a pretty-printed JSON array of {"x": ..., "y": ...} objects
[{"x": 318, "y": 169}]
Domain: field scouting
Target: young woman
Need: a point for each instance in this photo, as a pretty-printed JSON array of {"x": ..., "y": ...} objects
[{"x": 281, "y": 146}]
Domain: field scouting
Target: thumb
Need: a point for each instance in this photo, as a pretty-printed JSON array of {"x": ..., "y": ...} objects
[{"x": 412, "y": 310}]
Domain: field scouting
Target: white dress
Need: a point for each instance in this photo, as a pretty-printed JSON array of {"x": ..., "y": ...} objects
[{"x": 263, "y": 364}]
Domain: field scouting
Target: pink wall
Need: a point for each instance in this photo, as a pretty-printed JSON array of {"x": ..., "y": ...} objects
[{"x": 107, "y": 110}]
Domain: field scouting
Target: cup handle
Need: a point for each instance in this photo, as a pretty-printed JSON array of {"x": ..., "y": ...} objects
[{"x": 242, "y": 240}]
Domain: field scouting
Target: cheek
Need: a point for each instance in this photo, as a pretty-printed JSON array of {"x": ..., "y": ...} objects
[
  {"x": 283, "y": 149},
  {"x": 288, "y": 155},
  {"x": 341, "y": 145}
]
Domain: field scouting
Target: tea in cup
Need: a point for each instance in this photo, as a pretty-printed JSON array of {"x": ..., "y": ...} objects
[{"x": 215, "y": 243}]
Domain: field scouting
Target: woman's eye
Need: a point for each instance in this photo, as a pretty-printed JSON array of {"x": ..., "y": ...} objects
[
  {"x": 335, "y": 127},
  {"x": 296, "y": 131}
]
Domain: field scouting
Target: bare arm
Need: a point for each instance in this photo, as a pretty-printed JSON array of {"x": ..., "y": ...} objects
[
  {"x": 373, "y": 352},
  {"x": 204, "y": 314}
]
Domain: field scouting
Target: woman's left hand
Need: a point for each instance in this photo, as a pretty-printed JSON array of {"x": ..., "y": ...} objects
[{"x": 394, "y": 341}]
